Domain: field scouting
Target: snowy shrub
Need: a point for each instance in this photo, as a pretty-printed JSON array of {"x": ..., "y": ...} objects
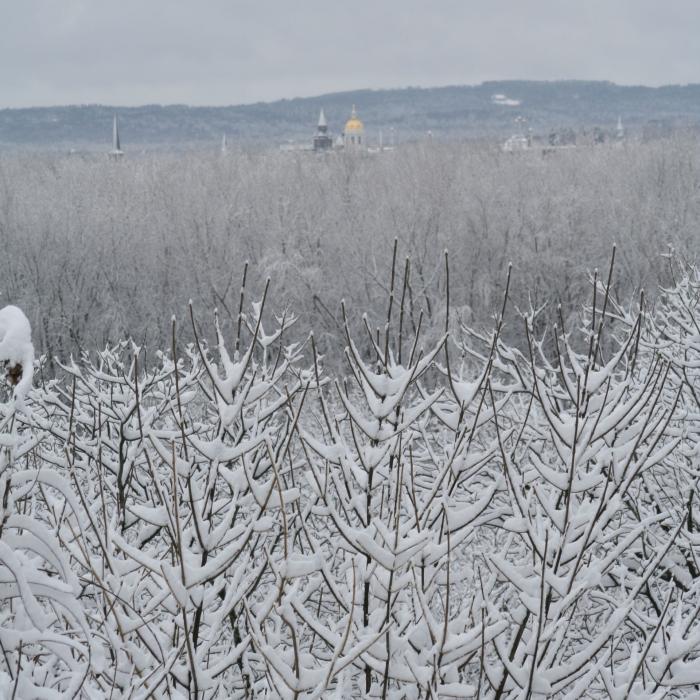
[{"x": 456, "y": 518}]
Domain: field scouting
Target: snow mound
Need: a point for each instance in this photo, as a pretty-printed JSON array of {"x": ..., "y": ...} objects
[
  {"x": 16, "y": 348},
  {"x": 505, "y": 101}
]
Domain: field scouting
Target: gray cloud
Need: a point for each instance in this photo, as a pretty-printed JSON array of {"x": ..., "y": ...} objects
[{"x": 219, "y": 52}]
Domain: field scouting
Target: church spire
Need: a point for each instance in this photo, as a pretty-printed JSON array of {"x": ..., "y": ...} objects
[
  {"x": 116, "y": 145},
  {"x": 322, "y": 139}
]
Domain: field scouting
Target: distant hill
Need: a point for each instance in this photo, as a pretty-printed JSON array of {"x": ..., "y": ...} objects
[{"x": 486, "y": 110}]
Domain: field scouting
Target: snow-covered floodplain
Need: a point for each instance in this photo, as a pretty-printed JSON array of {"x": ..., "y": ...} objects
[{"x": 453, "y": 520}]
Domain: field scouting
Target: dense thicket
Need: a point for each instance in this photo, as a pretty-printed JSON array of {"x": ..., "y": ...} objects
[
  {"x": 99, "y": 250},
  {"x": 458, "y": 518}
]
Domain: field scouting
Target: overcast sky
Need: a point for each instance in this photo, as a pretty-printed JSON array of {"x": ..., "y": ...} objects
[{"x": 129, "y": 52}]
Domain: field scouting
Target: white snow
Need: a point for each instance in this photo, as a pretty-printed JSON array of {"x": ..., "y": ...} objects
[
  {"x": 16, "y": 346},
  {"x": 504, "y": 101}
]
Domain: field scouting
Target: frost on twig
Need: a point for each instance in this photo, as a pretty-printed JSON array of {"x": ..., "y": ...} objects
[{"x": 230, "y": 522}]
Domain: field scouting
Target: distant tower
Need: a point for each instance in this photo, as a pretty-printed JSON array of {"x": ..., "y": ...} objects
[
  {"x": 354, "y": 132},
  {"x": 224, "y": 145},
  {"x": 116, "y": 151},
  {"x": 322, "y": 139},
  {"x": 620, "y": 130}
]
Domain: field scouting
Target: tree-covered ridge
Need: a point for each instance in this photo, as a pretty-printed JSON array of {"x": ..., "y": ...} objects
[{"x": 449, "y": 112}]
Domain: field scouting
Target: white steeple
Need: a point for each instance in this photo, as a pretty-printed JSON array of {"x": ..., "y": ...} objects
[
  {"x": 224, "y": 145},
  {"x": 116, "y": 145},
  {"x": 620, "y": 131},
  {"x": 322, "y": 123}
]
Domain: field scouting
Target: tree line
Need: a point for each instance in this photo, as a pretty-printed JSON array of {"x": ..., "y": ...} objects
[{"x": 100, "y": 250}]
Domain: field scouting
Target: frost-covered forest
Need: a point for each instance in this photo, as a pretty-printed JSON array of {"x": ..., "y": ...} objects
[
  {"x": 131, "y": 242},
  {"x": 370, "y": 458}
]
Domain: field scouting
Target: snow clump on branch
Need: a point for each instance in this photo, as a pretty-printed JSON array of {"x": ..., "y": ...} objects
[{"x": 16, "y": 349}]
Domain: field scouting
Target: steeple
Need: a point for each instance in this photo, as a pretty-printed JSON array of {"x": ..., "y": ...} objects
[
  {"x": 224, "y": 145},
  {"x": 116, "y": 151},
  {"x": 322, "y": 139},
  {"x": 620, "y": 130}
]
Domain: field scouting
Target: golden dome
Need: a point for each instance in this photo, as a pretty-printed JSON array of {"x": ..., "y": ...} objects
[{"x": 354, "y": 125}]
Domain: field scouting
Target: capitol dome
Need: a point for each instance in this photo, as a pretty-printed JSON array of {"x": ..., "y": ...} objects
[
  {"x": 354, "y": 125},
  {"x": 354, "y": 132}
]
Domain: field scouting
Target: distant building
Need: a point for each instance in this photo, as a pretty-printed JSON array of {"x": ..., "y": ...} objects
[
  {"x": 620, "y": 130},
  {"x": 352, "y": 138},
  {"x": 354, "y": 132},
  {"x": 116, "y": 151},
  {"x": 322, "y": 140},
  {"x": 522, "y": 140},
  {"x": 518, "y": 142}
]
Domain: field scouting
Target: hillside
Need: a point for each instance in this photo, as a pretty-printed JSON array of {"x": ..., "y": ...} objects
[{"x": 449, "y": 112}]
